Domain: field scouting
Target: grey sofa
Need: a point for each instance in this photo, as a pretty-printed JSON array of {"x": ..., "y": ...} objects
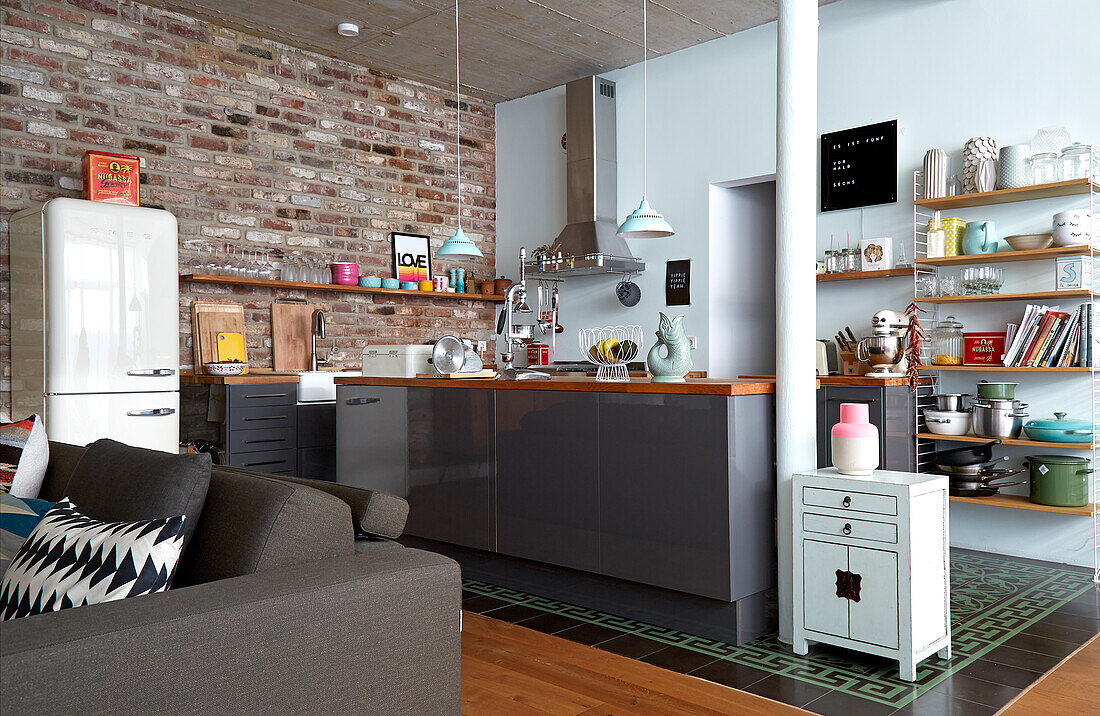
[{"x": 278, "y": 607}]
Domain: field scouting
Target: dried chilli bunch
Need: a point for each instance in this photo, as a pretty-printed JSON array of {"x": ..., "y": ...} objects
[{"x": 914, "y": 335}]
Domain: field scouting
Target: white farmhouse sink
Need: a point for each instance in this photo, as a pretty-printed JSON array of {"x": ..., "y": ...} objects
[{"x": 317, "y": 386}]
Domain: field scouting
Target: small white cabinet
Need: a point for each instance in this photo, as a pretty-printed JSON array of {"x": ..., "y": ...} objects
[{"x": 872, "y": 565}]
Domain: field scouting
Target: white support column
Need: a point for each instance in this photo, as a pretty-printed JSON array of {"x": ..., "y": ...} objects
[{"x": 795, "y": 285}]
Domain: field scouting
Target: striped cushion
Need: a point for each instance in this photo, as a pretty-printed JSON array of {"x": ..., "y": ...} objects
[{"x": 24, "y": 454}]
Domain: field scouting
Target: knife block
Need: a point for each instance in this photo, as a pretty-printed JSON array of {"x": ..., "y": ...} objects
[{"x": 853, "y": 366}]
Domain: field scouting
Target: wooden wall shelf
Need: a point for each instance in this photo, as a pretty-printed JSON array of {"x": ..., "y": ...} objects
[
  {"x": 1006, "y": 256},
  {"x": 1005, "y": 196},
  {"x": 299, "y": 286},
  {"x": 1005, "y": 441},
  {"x": 857, "y": 275},
  {"x": 1007, "y": 369},
  {"x": 1020, "y": 502},
  {"x": 990, "y": 297}
]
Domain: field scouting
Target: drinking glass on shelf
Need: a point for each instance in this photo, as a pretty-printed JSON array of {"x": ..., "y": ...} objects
[
  {"x": 290, "y": 268},
  {"x": 928, "y": 286},
  {"x": 949, "y": 286}
]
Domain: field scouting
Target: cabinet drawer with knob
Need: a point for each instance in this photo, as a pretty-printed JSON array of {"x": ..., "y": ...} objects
[
  {"x": 853, "y": 501},
  {"x": 856, "y": 529}
]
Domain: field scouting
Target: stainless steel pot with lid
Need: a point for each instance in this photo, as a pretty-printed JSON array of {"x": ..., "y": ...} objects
[
  {"x": 997, "y": 418},
  {"x": 951, "y": 401}
]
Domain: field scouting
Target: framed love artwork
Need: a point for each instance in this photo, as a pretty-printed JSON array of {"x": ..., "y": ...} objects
[{"x": 412, "y": 257}]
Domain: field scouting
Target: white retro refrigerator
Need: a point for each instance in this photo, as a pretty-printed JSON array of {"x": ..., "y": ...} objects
[{"x": 95, "y": 322}]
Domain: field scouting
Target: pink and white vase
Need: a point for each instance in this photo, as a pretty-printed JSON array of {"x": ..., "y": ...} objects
[{"x": 855, "y": 441}]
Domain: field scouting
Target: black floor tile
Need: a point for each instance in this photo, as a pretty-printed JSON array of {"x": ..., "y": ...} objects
[
  {"x": 1000, "y": 674},
  {"x": 1041, "y": 645},
  {"x": 1074, "y": 621},
  {"x": 731, "y": 674},
  {"x": 1021, "y": 659},
  {"x": 482, "y": 604},
  {"x": 968, "y": 688},
  {"x": 936, "y": 703},
  {"x": 789, "y": 691},
  {"x": 549, "y": 623},
  {"x": 631, "y": 645},
  {"x": 1060, "y": 632},
  {"x": 589, "y": 634},
  {"x": 675, "y": 658},
  {"x": 513, "y": 613},
  {"x": 1086, "y": 605},
  {"x": 838, "y": 703}
]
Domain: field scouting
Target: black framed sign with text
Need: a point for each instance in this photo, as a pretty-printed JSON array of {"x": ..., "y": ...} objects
[
  {"x": 859, "y": 167},
  {"x": 678, "y": 282}
]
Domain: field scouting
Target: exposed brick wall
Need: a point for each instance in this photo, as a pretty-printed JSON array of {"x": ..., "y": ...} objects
[{"x": 248, "y": 142}]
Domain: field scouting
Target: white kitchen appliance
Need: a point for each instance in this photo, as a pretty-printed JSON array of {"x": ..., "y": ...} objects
[
  {"x": 95, "y": 322},
  {"x": 397, "y": 361}
]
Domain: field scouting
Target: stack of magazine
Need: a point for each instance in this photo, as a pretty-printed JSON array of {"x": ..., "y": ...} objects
[{"x": 1047, "y": 337}]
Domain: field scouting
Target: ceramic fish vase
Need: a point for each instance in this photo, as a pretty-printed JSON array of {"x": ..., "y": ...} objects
[
  {"x": 676, "y": 361},
  {"x": 980, "y": 238}
]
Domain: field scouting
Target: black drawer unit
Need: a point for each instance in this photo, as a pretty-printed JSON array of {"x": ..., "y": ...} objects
[
  {"x": 261, "y": 427},
  {"x": 317, "y": 441}
]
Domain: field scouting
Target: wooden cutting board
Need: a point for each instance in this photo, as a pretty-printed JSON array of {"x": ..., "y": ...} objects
[
  {"x": 291, "y": 333},
  {"x": 207, "y": 321}
]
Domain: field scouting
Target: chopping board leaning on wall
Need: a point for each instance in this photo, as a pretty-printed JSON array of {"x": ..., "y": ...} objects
[
  {"x": 207, "y": 321},
  {"x": 291, "y": 331}
]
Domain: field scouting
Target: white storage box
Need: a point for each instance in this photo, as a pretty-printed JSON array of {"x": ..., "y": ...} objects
[
  {"x": 1072, "y": 273},
  {"x": 396, "y": 361}
]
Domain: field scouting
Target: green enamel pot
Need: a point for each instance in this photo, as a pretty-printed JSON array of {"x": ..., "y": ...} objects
[{"x": 1059, "y": 480}]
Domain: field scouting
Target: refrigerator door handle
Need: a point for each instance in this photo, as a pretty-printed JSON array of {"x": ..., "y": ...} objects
[
  {"x": 151, "y": 412},
  {"x": 152, "y": 371}
]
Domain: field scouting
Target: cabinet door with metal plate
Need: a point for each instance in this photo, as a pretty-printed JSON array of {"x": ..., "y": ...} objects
[
  {"x": 547, "y": 486},
  {"x": 449, "y": 465},
  {"x": 371, "y": 438}
]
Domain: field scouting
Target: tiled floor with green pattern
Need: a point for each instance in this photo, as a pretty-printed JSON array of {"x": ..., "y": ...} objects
[{"x": 993, "y": 598}]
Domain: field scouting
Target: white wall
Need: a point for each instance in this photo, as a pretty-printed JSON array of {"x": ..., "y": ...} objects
[{"x": 712, "y": 120}]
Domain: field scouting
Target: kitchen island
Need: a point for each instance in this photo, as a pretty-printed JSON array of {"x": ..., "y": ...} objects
[{"x": 654, "y": 501}]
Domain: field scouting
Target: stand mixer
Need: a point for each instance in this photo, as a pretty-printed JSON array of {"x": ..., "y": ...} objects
[
  {"x": 884, "y": 349},
  {"x": 516, "y": 335}
]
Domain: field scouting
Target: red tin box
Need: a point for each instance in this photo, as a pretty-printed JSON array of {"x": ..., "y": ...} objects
[
  {"x": 983, "y": 348},
  {"x": 113, "y": 178},
  {"x": 538, "y": 354}
]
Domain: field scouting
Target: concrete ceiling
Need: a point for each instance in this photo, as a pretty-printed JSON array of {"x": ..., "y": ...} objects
[{"x": 510, "y": 48}]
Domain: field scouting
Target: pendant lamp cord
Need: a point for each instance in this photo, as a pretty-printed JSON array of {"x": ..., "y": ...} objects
[
  {"x": 645, "y": 96},
  {"x": 458, "y": 118}
]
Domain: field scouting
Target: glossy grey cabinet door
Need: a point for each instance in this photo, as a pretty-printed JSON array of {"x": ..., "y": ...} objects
[
  {"x": 547, "y": 477},
  {"x": 370, "y": 438},
  {"x": 449, "y": 465},
  {"x": 665, "y": 497}
]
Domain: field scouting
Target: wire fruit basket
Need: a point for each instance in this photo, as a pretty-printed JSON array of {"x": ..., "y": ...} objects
[{"x": 610, "y": 349}]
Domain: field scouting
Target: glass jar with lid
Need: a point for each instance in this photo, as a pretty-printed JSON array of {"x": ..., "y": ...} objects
[
  {"x": 1044, "y": 168},
  {"x": 947, "y": 342},
  {"x": 849, "y": 260},
  {"x": 832, "y": 261},
  {"x": 1077, "y": 162}
]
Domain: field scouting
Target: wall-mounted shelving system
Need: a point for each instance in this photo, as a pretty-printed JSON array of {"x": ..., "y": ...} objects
[
  {"x": 862, "y": 275},
  {"x": 926, "y": 211},
  {"x": 302, "y": 286}
]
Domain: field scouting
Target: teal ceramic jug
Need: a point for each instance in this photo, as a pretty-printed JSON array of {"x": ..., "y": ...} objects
[{"x": 980, "y": 238}]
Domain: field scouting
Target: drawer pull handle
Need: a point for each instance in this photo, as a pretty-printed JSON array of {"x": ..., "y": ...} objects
[
  {"x": 270, "y": 417},
  {"x": 848, "y": 585},
  {"x": 847, "y": 529},
  {"x": 266, "y": 395},
  {"x": 151, "y": 372},
  {"x": 362, "y": 401},
  {"x": 268, "y": 462},
  {"x": 847, "y": 501},
  {"x": 269, "y": 440}
]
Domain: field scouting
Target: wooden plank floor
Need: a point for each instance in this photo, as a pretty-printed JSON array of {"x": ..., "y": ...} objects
[
  {"x": 1070, "y": 689},
  {"x": 509, "y": 669}
]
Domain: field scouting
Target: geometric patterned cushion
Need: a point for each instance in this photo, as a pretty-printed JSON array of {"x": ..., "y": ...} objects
[
  {"x": 18, "y": 516},
  {"x": 70, "y": 560},
  {"x": 24, "y": 454}
]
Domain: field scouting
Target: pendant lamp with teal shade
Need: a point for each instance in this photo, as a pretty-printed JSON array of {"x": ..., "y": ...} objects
[
  {"x": 645, "y": 223},
  {"x": 459, "y": 247}
]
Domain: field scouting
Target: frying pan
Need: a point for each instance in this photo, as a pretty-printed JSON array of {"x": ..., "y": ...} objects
[
  {"x": 979, "y": 487},
  {"x": 966, "y": 455},
  {"x": 975, "y": 469}
]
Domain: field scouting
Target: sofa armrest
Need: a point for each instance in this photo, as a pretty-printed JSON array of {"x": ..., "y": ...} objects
[
  {"x": 375, "y": 513},
  {"x": 356, "y": 634}
]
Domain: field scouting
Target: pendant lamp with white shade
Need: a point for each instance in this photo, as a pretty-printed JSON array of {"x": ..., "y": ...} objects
[
  {"x": 459, "y": 247},
  {"x": 645, "y": 223}
]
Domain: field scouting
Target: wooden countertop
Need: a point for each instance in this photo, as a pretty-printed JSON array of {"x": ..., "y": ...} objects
[
  {"x": 253, "y": 377},
  {"x": 863, "y": 380},
  {"x": 692, "y": 386}
]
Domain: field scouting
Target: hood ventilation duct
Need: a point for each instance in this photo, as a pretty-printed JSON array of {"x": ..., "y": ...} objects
[{"x": 588, "y": 244}]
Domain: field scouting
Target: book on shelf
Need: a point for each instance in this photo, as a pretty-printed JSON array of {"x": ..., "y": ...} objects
[{"x": 1047, "y": 337}]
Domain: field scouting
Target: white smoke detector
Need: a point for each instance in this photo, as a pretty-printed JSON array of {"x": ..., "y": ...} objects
[{"x": 347, "y": 29}]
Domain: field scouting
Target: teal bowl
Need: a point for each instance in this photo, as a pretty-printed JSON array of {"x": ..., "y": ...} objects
[
  {"x": 370, "y": 282},
  {"x": 410, "y": 286},
  {"x": 390, "y": 283}
]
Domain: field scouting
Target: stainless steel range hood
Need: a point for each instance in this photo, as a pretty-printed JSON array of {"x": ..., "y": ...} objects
[{"x": 588, "y": 243}]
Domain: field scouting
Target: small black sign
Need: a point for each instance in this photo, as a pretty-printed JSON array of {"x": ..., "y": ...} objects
[
  {"x": 678, "y": 282},
  {"x": 859, "y": 167}
]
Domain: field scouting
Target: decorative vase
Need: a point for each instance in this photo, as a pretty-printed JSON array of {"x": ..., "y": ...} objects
[
  {"x": 1012, "y": 167},
  {"x": 975, "y": 150},
  {"x": 676, "y": 363},
  {"x": 935, "y": 174},
  {"x": 854, "y": 441}
]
